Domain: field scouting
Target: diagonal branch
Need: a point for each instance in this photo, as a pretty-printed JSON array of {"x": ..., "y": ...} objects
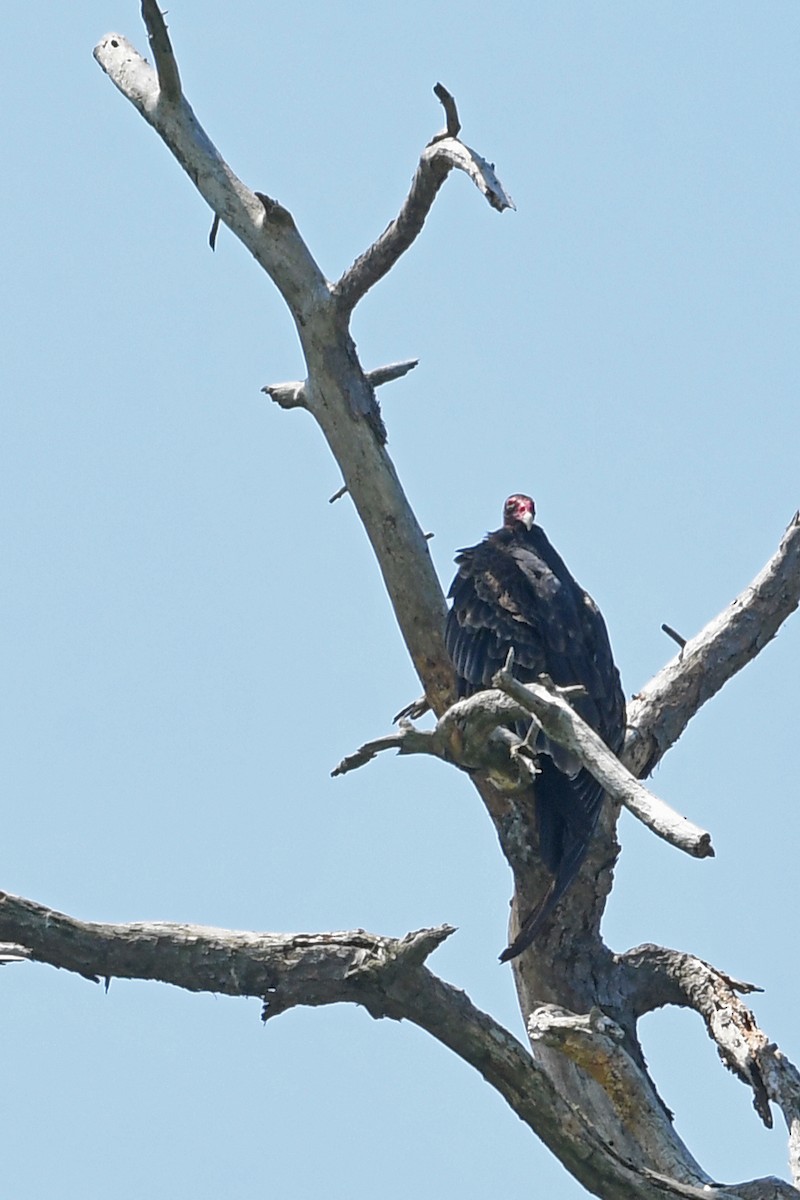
[
  {"x": 169, "y": 80},
  {"x": 660, "y": 712},
  {"x": 270, "y": 235},
  {"x": 337, "y": 392},
  {"x": 596, "y": 1044},
  {"x": 294, "y": 394},
  {"x": 563, "y": 725},
  {"x": 445, "y": 152}
]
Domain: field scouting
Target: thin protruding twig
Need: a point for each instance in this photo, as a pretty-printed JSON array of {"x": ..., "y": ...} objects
[
  {"x": 676, "y": 637},
  {"x": 294, "y": 394},
  {"x": 453, "y": 126},
  {"x": 212, "y": 236},
  {"x": 561, "y": 723},
  {"x": 405, "y": 740},
  {"x": 413, "y": 711},
  {"x": 169, "y": 80},
  {"x": 338, "y": 495}
]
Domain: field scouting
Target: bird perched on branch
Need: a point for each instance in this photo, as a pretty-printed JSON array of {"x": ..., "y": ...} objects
[{"x": 513, "y": 591}]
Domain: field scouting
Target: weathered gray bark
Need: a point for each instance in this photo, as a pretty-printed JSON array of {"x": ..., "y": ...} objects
[
  {"x": 388, "y": 976},
  {"x": 582, "y": 1085}
]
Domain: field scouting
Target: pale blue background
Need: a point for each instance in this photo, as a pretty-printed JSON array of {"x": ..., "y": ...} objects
[{"x": 192, "y": 637}]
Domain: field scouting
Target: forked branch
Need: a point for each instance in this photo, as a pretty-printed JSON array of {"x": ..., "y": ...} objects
[
  {"x": 656, "y": 717},
  {"x": 442, "y": 154}
]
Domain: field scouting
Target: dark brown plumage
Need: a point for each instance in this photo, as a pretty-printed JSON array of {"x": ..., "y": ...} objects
[{"x": 513, "y": 590}]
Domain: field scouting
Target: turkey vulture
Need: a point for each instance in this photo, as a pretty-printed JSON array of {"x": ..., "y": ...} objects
[{"x": 513, "y": 590}]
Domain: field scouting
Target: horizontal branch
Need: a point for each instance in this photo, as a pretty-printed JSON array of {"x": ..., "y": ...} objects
[
  {"x": 658, "y": 715},
  {"x": 444, "y": 153},
  {"x": 468, "y": 735},
  {"x": 294, "y": 395},
  {"x": 387, "y": 976},
  {"x": 563, "y": 725},
  {"x": 405, "y": 740}
]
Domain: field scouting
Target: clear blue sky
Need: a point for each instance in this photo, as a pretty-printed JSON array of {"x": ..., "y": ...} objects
[{"x": 192, "y": 637}]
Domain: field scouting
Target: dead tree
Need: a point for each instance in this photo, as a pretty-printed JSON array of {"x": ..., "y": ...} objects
[{"x": 581, "y": 1084}]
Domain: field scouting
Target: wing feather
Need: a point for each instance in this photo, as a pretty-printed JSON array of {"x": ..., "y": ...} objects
[{"x": 513, "y": 590}]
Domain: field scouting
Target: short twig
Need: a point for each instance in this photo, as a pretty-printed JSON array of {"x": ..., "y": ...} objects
[
  {"x": 676, "y": 637},
  {"x": 294, "y": 394},
  {"x": 287, "y": 395},
  {"x": 413, "y": 711},
  {"x": 11, "y": 953},
  {"x": 448, "y": 102},
  {"x": 366, "y": 753},
  {"x": 381, "y": 375}
]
